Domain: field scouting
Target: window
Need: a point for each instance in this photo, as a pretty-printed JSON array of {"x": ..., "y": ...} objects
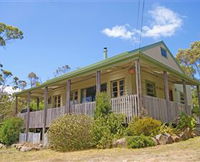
[
  {"x": 163, "y": 52},
  {"x": 104, "y": 87},
  {"x": 171, "y": 98},
  {"x": 89, "y": 94},
  {"x": 182, "y": 100},
  {"x": 74, "y": 96},
  {"x": 150, "y": 89},
  {"x": 117, "y": 88},
  {"x": 49, "y": 100},
  {"x": 57, "y": 101}
]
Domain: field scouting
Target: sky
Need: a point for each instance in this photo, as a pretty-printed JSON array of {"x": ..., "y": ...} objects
[{"x": 74, "y": 32}]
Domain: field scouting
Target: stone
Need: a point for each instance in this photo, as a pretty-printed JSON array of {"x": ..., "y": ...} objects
[
  {"x": 155, "y": 140},
  {"x": 164, "y": 139},
  {"x": 120, "y": 143},
  {"x": 2, "y": 146},
  {"x": 18, "y": 146},
  {"x": 185, "y": 134},
  {"x": 25, "y": 149},
  {"x": 175, "y": 138}
]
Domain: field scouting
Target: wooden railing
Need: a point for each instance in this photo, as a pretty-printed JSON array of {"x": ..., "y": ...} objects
[
  {"x": 126, "y": 105},
  {"x": 159, "y": 109},
  {"x": 155, "y": 107}
]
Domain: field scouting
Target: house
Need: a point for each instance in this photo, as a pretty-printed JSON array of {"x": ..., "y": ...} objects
[{"x": 143, "y": 81}]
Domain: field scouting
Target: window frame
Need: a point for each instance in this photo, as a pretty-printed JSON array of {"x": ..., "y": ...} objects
[
  {"x": 57, "y": 101},
  {"x": 118, "y": 88},
  {"x": 74, "y": 96},
  {"x": 154, "y": 88},
  {"x": 182, "y": 98},
  {"x": 163, "y": 52}
]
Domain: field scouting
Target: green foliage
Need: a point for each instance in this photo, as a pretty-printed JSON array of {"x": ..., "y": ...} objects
[
  {"x": 196, "y": 110},
  {"x": 166, "y": 129},
  {"x": 106, "y": 128},
  {"x": 186, "y": 121},
  {"x": 7, "y": 103},
  {"x": 103, "y": 105},
  {"x": 144, "y": 126},
  {"x": 71, "y": 132},
  {"x": 10, "y": 129},
  {"x": 189, "y": 59},
  {"x": 140, "y": 141},
  {"x": 33, "y": 105},
  {"x": 8, "y": 32}
]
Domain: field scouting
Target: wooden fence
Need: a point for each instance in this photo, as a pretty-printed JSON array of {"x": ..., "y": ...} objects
[
  {"x": 125, "y": 105},
  {"x": 165, "y": 111},
  {"x": 156, "y": 107},
  {"x": 32, "y": 137}
]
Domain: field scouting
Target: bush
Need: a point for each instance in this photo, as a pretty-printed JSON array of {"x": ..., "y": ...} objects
[
  {"x": 103, "y": 105},
  {"x": 145, "y": 126},
  {"x": 139, "y": 141},
  {"x": 70, "y": 132},
  {"x": 186, "y": 121},
  {"x": 106, "y": 128},
  {"x": 166, "y": 129},
  {"x": 196, "y": 110},
  {"x": 10, "y": 130}
]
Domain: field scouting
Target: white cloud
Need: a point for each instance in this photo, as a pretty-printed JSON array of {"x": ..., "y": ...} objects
[
  {"x": 10, "y": 90},
  {"x": 119, "y": 32},
  {"x": 163, "y": 23}
]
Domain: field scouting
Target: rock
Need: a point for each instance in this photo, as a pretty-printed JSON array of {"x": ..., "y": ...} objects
[
  {"x": 120, "y": 143},
  {"x": 185, "y": 134},
  {"x": 18, "y": 146},
  {"x": 2, "y": 146},
  {"x": 164, "y": 139},
  {"x": 175, "y": 138},
  {"x": 193, "y": 134},
  {"x": 28, "y": 147},
  {"x": 25, "y": 149},
  {"x": 155, "y": 140}
]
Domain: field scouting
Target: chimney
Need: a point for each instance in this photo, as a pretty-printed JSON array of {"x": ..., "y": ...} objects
[{"x": 105, "y": 51}]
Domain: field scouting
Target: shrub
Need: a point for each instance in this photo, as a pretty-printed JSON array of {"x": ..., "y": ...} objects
[
  {"x": 186, "y": 121},
  {"x": 106, "y": 128},
  {"x": 144, "y": 126},
  {"x": 103, "y": 105},
  {"x": 166, "y": 129},
  {"x": 139, "y": 141},
  {"x": 196, "y": 110},
  {"x": 10, "y": 130},
  {"x": 70, "y": 132}
]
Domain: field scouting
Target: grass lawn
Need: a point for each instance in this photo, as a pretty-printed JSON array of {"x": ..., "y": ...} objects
[{"x": 183, "y": 151}]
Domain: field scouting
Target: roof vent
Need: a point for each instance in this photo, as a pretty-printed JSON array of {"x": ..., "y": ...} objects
[{"x": 105, "y": 51}]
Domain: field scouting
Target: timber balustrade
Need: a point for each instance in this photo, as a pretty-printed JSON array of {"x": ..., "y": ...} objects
[{"x": 128, "y": 105}]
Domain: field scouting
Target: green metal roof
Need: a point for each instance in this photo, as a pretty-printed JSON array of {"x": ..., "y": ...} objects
[{"x": 109, "y": 62}]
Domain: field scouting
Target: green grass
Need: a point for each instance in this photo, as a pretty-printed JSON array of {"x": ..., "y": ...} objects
[{"x": 183, "y": 151}]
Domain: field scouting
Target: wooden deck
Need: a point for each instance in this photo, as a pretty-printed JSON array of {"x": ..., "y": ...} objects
[{"x": 155, "y": 107}]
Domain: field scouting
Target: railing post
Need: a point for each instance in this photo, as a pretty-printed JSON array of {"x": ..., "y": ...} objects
[
  {"x": 28, "y": 114},
  {"x": 138, "y": 85},
  {"x": 98, "y": 82},
  {"x": 45, "y": 112},
  {"x": 185, "y": 96},
  {"x": 166, "y": 91},
  {"x": 67, "y": 104}
]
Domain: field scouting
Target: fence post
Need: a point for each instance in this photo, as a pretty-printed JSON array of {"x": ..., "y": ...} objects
[{"x": 28, "y": 114}]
